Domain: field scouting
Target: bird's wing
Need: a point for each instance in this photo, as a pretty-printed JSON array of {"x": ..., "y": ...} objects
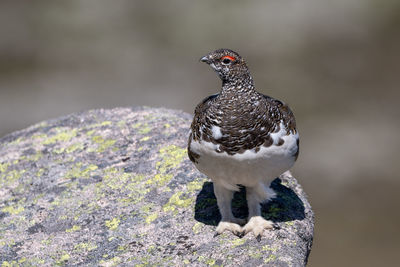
[
  {"x": 199, "y": 114},
  {"x": 281, "y": 113}
]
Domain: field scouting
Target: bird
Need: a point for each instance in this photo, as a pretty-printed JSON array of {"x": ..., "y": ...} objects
[{"x": 240, "y": 137}]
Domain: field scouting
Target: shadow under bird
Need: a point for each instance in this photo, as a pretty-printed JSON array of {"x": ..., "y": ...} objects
[{"x": 241, "y": 137}]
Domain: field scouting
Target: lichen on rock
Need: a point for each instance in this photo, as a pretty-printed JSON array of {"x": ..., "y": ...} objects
[{"x": 113, "y": 187}]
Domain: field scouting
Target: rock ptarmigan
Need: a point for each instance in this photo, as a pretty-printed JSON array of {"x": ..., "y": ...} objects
[{"x": 241, "y": 137}]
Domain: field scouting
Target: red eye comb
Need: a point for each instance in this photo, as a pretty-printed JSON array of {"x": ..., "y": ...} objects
[{"x": 228, "y": 57}]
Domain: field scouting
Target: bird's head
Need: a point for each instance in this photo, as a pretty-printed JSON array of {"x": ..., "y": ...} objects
[{"x": 229, "y": 65}]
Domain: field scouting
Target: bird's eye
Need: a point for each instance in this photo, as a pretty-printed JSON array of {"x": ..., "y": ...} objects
[{"x": 227, "y": 60}]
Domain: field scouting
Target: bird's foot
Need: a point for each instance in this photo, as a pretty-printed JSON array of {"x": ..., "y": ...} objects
[
  {"x": 257, "y": 224},
  {"x": 239, "y": 221},
  {"x": 235, "y": 228}
]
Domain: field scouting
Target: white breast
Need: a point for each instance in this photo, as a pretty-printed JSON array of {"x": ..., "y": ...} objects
[{"x": 250, "y": 167}]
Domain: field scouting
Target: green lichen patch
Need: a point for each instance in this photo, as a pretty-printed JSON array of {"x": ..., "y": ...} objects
[
  {"x": 112, "y": 224},
  {"x": 72, "y": 148},
  {"x": 10, "y": 177},
  {"x": 197, "y": 227},
  {"x": 74, "y": 228},
  {"x": 13, "y": 209},
  {"x": 61, "y": 135},
  {"x": 63, "y": 259},
  {"x": 142, "y": 128},
  {"x": 102, "y": 144},
  {"x": 176, "y": 201},
  {"x": 146, "y": 138},
  {"x": 80, "y": 171},
  {"x": 238, "y": 242},
  {"x": 85, "y": 247},
  {"x": 150, "y": 218},
  {"x": 171, "y": 156},
  {"x": 3, "y": 167},
  {"x": 196, "y": 185},
  {"x": 270, "y": 258}
]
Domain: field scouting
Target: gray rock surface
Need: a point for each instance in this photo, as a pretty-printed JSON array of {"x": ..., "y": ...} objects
[{"x": 115, "y": 187}]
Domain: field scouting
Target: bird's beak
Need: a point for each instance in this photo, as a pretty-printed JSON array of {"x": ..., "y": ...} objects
[{"x": 205, "y": 59}]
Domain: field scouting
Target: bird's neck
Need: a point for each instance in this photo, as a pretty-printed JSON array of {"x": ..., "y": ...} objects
[{"x": 238, "y": 84}]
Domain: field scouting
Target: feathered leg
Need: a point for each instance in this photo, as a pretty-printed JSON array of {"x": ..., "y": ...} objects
[
  {"x": 228, "y": 221},
  {"x": 256, "y": 195}
]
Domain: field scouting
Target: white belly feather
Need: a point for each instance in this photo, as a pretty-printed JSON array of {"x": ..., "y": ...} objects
[{"x": 249, "y": 168}]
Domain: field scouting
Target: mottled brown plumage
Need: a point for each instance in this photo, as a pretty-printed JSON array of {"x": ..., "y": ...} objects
[
  {"x": 245, "y": 116},
  {"x": 241, "y": 136}
]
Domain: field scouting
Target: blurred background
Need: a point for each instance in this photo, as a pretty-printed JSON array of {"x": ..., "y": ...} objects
[{"x": 335, "y": 62}]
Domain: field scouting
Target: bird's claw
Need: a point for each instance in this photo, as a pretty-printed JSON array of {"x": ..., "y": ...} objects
[
  {"x": 258, "y": 237},
  {"x": 276, "y": 226}
]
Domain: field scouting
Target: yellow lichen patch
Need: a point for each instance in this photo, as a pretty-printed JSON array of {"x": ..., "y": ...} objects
[
  {"x": 255, "y": 254},
  {"x": 137, "y": 125},
  {"x": 207, "y": 260},
  {"x": 74, "y": 228},
  {"x": 147, "y": 208},
  {"x": 16, "y": 141},
  {"x": 59, "y": 150},
  {"x": 151, "y": 217},
  {"x": 98, "y": 139},
  {"x": 102, "y": 143},
  {"x": 289, "y": 223},
  {"x": 89, "y": 133},
  {"x": 270, "y": 258},
  {"x": 85, "y": 246},
  {"x": 39, "y": 136},
  {"x": 112, "y": 224},
  {"x": 9, "y": 264},
  {"x": 105, "y": 123},
  {"x": 96, "y": 125},
  {"x": 115, "y": 179},
  {"x": 176, "y": 202},
  {"x": 238, "y": 242},
  {"x": 61, "y": 136},
  {"x": 40, "y": 172},
  {"x": 145, "y": 138},
  {"x": 13, "y": 210},
  {"x": 47, "y": 241},
  {"x": 63, "y": 259},
  {"x": 4, "y": 167},
  {"x": 81, "y": 172},
  {"x": 143, "y": 128},
  {"x": 160, "y": 179},
  {"x": 10, "y": 177},
  {"x": 171, "y": 156},
  {"x": 135, "y": 189},
  {"x": 269, "y": 248},
  {"x": 197, "y": 227},
  {"x": 74, "y": 147},
  {"x": 195, "y": 185}
]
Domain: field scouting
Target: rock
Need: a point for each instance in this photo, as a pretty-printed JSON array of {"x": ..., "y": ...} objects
[{"x": 109, "y": 187}]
